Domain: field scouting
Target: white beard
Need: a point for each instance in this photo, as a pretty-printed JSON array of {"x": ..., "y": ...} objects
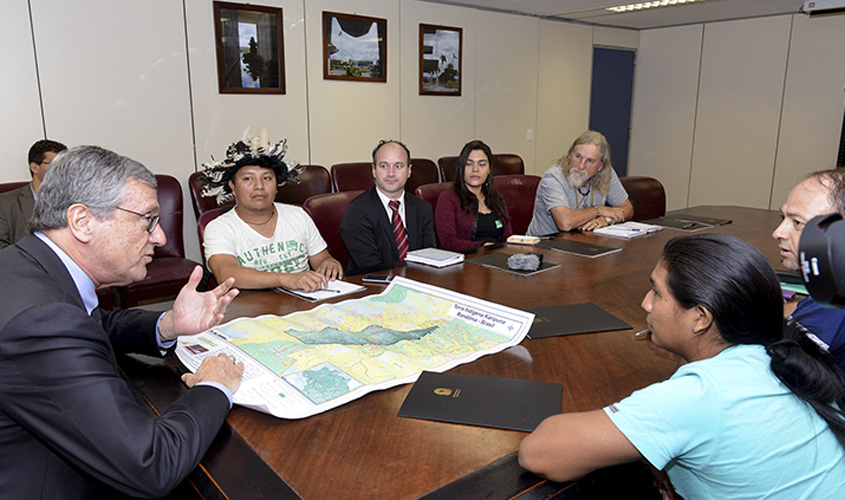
[{"x": 577, "y": 179}]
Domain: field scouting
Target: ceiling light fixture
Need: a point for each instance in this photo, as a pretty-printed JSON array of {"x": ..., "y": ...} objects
[{"x": 649, "y": 5}]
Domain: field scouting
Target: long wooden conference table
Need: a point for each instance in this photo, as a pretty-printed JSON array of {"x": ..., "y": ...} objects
[{"x": 364, "y": 450}]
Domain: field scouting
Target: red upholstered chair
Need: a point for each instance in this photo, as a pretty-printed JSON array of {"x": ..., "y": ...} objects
[
  {"x": 326, "y": 210},
  {"x": 10, "y": 186},
  {"x": 430, "y": 193},
  {"x": 518, "y": 191},
  {"x": 423, "y": 171},
  {"x": 508, "y": 164},
  {"x": 503, "y": 164},
  {"x": 355, "y": 176},
  {"x": 169, "y": 270},
  {"x": 313, "y": 180},
  {"x": 205, "y": 218},
  {"x": 200, "y": 203},
  {"x": 448, "y": 165},
  {"x": 647, "y": 195}
]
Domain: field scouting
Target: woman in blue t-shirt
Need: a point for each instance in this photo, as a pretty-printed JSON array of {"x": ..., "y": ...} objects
[{"x": 751, "y": 414}]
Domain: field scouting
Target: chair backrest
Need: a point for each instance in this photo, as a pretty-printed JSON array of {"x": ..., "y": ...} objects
[
  {"x": 430, "y": 192},
  {"x": 503, "y": 164},
  {"x": 203, "y": 221},
  {"x": 352, "y": 176},
  {"x": 508, "y": 164},
  {"x": 313, "y": 180},
  {"x": 448, "y": 165},
  {"x": 11, "y": 186},
  {"x": 170, "y": 209},
  {"x": 518, "y": 191},
  {"x": 199, "y": 202},
  {"x": 424, "y": 171},
  {"x": 326, "y": 210},
  {"x": 647, "y": 195}
]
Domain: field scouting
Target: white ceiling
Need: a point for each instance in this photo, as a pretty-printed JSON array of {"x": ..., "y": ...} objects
[{"x": 593, "y": 11}]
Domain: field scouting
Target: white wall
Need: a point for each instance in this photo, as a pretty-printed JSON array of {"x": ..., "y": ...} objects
[
  {"x": 114, "y": 74},
  {"x": 732, "y": 112},
  {"x": 563, "y": 113},
  {"x": 19, "y": 102},
  {"x": 664, "y": 107},
  {"x": 737, "y": 112},
  {"x": 220, "y": 119},
  {"x": 740, "y": 90},
  {"x": 140, "y": 78},
  {"x": 506, "y": 83},
  {"x": 436, "y": 126},
  {"x": 813, "y": 102}
]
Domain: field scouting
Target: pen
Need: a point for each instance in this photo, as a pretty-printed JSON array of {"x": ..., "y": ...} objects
[
  {"x": 643, "y": 335},
  {"x": 332, "y": 290},
  {"x": 689, "y": 226}
]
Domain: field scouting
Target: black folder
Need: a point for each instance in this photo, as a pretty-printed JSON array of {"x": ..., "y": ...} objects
[
  {"x": 681, "y": 224},
  {"x": 554, "y": 321},
  {"x": 590, "y": 250},
  {"x": 504, "y": 403},
  {"x": 499, "y": 260}
]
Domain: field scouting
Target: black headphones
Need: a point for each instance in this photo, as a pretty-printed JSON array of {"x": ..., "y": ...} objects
[{"x": 821, "y": 252}]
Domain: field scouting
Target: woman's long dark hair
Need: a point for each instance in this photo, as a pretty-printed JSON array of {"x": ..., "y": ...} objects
[
  {"x": 736, "y": 283},
  {"x": 469, "y": 202}
]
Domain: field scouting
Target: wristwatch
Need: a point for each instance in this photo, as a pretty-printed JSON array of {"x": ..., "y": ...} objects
[{"x": 608, "y": 220}]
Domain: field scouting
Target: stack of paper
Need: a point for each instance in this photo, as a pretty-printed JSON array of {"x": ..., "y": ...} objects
[
  {"x": 435, "y": 257},
  {"x": 627, "y": 230},
  {"x": 335, "y": 288}
]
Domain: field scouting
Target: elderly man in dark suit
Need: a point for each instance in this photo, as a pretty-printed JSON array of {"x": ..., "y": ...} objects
[
  {"x": 384, "y": 223},
  {"x": 70, "y": 426},
  {"x": 16, "y": 206}
]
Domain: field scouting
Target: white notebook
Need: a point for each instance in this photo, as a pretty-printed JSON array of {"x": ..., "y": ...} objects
[
  {"x": 435, "y": 257},
  {"x": 627, "y": 230}
]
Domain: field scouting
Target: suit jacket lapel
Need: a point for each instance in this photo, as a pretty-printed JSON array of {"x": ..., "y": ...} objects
[
  {"x": 26, "y": 199},
  {"x": 44, "y": 256}
]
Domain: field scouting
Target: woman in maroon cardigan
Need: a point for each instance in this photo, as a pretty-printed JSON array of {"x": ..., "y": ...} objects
[{"x": 472, "y": 214}]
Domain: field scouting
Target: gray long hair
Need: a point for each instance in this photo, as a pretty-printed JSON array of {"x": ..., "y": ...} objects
[
  {"x": 601, "y": 180},
  {"x": 90, "y": 175}
]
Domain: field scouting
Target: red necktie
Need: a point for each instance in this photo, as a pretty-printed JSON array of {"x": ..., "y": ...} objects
[{"x": 399, "y": 230}]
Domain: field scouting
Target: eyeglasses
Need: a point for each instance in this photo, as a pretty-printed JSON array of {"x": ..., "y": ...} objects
[{"x": 152, "y": 220}]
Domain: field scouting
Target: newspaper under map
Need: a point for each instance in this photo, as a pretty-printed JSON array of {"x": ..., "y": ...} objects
[{"x": 311, "y": 361}]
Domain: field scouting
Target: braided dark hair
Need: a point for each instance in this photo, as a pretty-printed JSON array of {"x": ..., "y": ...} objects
[{"x": 734, "y": 281}]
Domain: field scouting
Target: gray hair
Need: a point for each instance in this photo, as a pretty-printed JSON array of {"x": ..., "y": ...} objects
[
  {"x": 834, "y": 181},
  {"x": 90, "y": 175},
  {"x": 601, "y": 180}
]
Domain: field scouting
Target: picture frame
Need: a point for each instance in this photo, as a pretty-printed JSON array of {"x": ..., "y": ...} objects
[
  {"x": 250, "y": 48},
  {"x": 441, "y": 59},
  {"x": 354, "y": 48}
]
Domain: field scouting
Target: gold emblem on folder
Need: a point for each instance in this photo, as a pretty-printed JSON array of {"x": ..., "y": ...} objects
[{"x": 443, "y": 391}]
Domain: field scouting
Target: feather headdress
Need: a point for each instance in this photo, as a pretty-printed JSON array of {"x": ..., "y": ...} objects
[{"x": 256, "y": 151}]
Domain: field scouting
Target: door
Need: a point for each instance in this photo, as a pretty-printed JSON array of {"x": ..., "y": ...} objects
[{"x": 610, "y": 101}]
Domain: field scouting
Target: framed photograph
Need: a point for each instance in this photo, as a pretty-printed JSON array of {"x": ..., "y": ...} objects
[
  {"x": 440, "y": 60},
  {"x": 250, "y": 49},
  {"x": 354, "y": 48}
]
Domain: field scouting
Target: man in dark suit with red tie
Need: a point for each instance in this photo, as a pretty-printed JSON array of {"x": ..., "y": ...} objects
[
  {"x": 70, "y": 427},
  {"x": 384, "y": 223}
]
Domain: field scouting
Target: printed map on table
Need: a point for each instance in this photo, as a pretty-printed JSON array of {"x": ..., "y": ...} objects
[{"x": 311, "y": 361}]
